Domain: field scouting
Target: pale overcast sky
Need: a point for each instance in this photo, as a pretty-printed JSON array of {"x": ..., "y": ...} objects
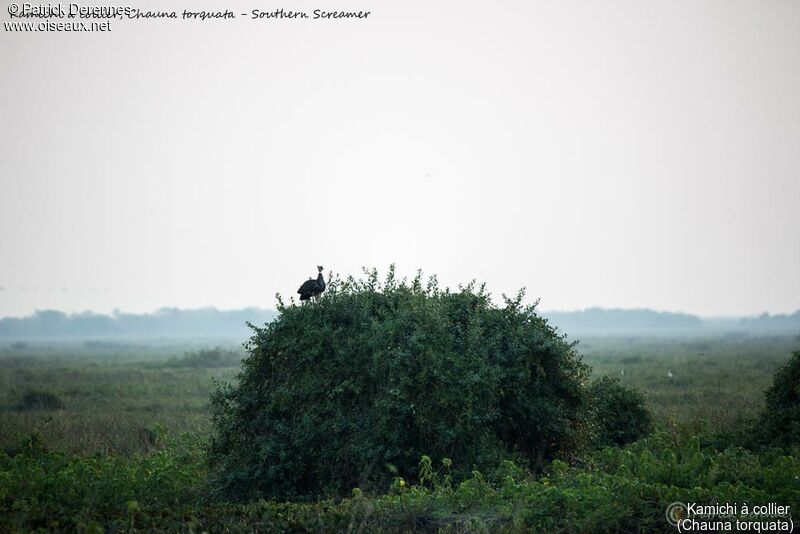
[{"x": 615, "y": 154}]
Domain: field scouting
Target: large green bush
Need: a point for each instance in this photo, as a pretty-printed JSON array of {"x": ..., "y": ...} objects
[{"x": 353, "y": 389}]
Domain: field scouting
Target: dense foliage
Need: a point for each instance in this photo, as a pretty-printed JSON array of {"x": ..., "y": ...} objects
[
  {"x": 620, "y": 490},
  {"x": 55, "y": 490},
  {"x": 780, "y": 423},
  {"x": 374, "y": 375},
  {"x": 619, "y": 414}
]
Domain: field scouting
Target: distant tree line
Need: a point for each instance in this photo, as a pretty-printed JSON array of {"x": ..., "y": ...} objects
[
  {"x": 169, "y": 323},
  {"x": 615, "y": 318},
  {"x": 645, "y": 321},
  {"x": 173, "y": 323}
]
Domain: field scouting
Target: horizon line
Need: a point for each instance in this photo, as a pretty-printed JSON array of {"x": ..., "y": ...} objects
[{"x": 116, "y": 312}]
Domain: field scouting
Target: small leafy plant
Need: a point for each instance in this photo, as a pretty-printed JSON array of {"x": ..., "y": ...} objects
[
  {"x": 619, "y": 414},
  {"x": 780, "y": 423}
]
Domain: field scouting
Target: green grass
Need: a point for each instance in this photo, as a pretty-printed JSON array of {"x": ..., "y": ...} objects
[
  {"x": 719, "y": 381},
  {"x": 110, "y": 405},
  {"x": 115, "y": 397},
  {"x": 126, "y": 450}
]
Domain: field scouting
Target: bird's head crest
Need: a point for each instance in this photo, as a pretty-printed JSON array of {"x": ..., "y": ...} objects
[{"x": 319, "y": 268}]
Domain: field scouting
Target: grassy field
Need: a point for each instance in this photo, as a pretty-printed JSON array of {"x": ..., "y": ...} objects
[
  {"x": 719, "y": 381},
  {"x": 115, "y": 399},
  {"x": 119, "y": 398},
  {"x": 128, "y": 404}
]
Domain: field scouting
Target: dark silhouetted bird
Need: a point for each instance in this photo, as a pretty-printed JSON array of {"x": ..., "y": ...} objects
[{"x": 312, "y": 288}]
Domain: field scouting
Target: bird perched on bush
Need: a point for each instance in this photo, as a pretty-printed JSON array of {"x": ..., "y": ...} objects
[{"x": 312, "y": 288}]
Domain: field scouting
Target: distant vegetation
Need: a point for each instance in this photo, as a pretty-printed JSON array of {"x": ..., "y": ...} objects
[
  {"x": 637, "y": 320},
  {"x": 614, "y": 322},
  {"x": 175, "y": 324},
  {"x": 40, "y": 400},
  {"x": 209, "y": 358},
  {"x": 167, "y": 323}
]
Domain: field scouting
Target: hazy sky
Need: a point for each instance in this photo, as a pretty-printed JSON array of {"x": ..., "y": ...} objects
[{"x": 616, "y": 154}]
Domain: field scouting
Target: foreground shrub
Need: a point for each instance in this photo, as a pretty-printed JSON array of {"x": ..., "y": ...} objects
[
  {"x": 780, "y": 422},
  {"x": 623, "y": 490},
  {"x": 40, "y": 486},
  {"x": 376, "y": 375},
  {"x": 619, "y": 414}
]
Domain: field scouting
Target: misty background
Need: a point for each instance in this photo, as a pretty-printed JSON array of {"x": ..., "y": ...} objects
[
  {"x": 622, "y": 155},
  {"x": 211, "y": 325}
]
